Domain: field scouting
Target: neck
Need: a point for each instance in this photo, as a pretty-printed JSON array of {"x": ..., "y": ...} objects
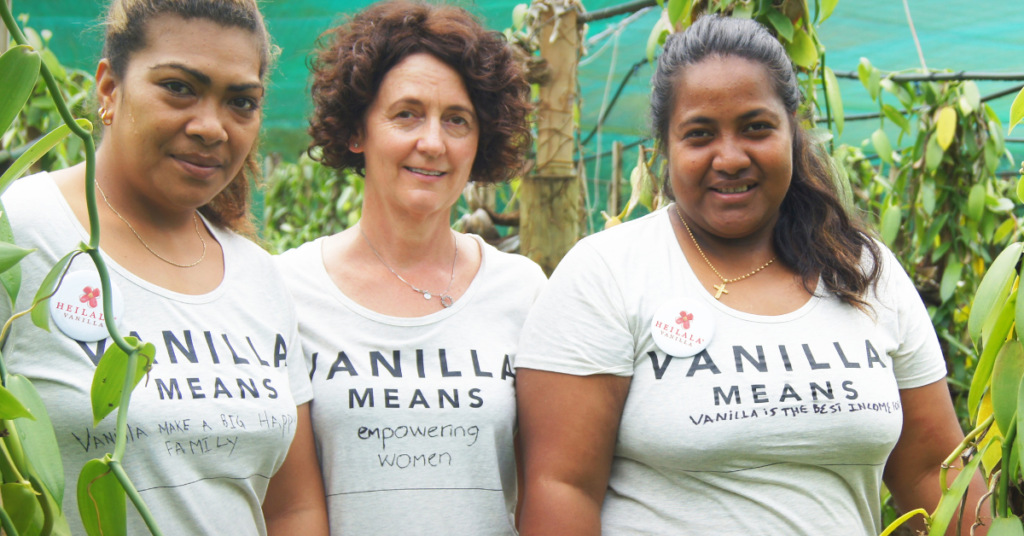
[
  {"x": 142, "y": 209},
  {"x": 407, "y": 240},
  {"x": 758, "y": 246}
]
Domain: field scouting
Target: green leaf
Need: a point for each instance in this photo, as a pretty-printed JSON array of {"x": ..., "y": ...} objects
[
  {"x": 894, "y": 115},
  {"x": 41, "y": 303},
  {"x": 661, "y": 27},
  {"x": 835, "y": 99},
  {"x": 976, "y": 202},
  {"x": 1003, "y": 231},
  {"x": 1016, "y": 110},
  {"x": 971, "y": 93},
  {"x": 108, "y": 381},
  {"x": 1020, "y": 188},
  {"x": 945, "y": 126},
  {"x": 928, "y": 196},
  {"x": 932, "y": 155},
  {"x": 949, "y": 502},
  {"x": 1006, "y": 526},
  {"x": 677, "y": 10},
  {"x": 782, "y": 24},
  {"x": 519, "y": 16},
  {"x": 20, "y": 503},
  {"x": 827, "y": 7},
  {"x": 880, "y": 140},
  {"x": 11, "y": 279},
  {"x": 891, "y": 219},
  {"x": 101, "y": 500},
  {"x": 38, "y": 437},
  {"x": 1006, "y": 375},
  {"x": 988, "y": 298},
  {"x": 803, "y": 51},
  {"x": 34, "y": 153},
  {"x": 20, "y": 68},
  {"x": 899, "y": 91},
  {"x": 11, "y": 255},
  {"x": 996, "y": 136},
  {"x": 950, "y": 278},
  {"x": 997, "y": 337},
  {"x": 11, "y": 408},
  {"x": 743, "y": 11}
]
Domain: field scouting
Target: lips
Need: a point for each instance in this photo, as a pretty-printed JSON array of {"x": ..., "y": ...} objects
[
  {"x": 426, "y": 172},
  {"x": 197, "y": 165},
  {"x": 199, "y": 160},
  {"x": 733, "y": 189}
]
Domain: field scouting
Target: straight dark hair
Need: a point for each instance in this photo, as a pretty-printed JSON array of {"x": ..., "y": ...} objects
[{"x": 814, "y": 235}]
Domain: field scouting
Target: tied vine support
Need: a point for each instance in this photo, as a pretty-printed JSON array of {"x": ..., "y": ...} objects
[{"x": 128, "y": 349}]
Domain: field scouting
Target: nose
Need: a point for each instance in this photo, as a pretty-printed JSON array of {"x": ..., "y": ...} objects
[
  {"x": 207, "y": 126},
  {"x": 731, "y": 157},
  {"x": 431, "y": 141}
]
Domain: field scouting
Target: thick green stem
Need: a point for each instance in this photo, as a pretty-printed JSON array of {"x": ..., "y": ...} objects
[
  {"x": 49, "y": 517},
  {"x": 122, "y": 409},
  {"x": 13, "y": 442},
  {"x": 5, "y": 520},
  {"x": 1007, "y": 472},
  {"x": 828, "y": 109},
  {"x": 7, "y": 468},
  {"x": 136, "y": 499},
  {"x": 949, "y": 461}
]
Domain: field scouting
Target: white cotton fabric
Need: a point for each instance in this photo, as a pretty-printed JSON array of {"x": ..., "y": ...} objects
[
  {"x": 414, "y": 417},
  {"x": 744, "y": 438},
  {"x": 215, "y": 417}
]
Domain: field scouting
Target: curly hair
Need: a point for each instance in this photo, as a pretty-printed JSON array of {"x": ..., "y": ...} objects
[
  {"x": 814, "y": 235},
  {"x": 353, "y": 58},
  {"x": 125, "y": 34}
]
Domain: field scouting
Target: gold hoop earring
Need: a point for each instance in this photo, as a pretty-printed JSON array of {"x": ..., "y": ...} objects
[{"x": 106, "y": 116}]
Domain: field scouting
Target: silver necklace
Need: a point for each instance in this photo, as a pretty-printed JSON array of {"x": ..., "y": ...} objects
[
  {"x": 446, "y": 299},
  {"x": 195, "y": 222}
]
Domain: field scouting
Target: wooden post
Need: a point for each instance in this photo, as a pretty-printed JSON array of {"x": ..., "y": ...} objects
[
  {"x": 616, "y": 187},
  {"x": 549, "y": 198}
]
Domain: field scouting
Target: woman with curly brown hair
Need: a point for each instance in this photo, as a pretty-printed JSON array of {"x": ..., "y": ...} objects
[{"x": 410, "y": 329}]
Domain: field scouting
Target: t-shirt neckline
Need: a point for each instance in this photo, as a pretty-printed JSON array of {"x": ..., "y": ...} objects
[
  {"x": 136, "y": 280},
  {"x": 326, "y": 282},
  {"x": 694, "y": 282}
]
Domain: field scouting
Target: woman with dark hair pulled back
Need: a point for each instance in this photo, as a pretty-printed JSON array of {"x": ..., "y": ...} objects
[
  {"x": 219, "y": 438},
  {"x": 747, "y": 360}
]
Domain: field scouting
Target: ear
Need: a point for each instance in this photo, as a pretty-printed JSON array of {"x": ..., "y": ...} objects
[
  {"x": 107, "y": 86},
  {"x": 355, "y": 143}
]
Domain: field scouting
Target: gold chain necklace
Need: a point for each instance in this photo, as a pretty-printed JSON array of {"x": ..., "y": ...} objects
[
  {"x": 720, "y": 288},
  {"x": 195, "y": 222}
]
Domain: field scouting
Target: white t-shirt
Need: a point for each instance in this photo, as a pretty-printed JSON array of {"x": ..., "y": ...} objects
[
  {"x": 781, "y": 427},
  {"x": 414, "y": 417},
  {"x": 213, "y": 421}
]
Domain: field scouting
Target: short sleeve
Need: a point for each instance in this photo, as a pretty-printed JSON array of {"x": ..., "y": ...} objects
[
  {"x": 917, "y": 361},
  {"x": 578, "y": 324}
]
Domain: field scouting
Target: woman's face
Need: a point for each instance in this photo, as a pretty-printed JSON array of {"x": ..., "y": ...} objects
[
  {"x": 419, "y": 137},
  {"x": 730, "y": 147},
  {"x": 186, "y": 112}
]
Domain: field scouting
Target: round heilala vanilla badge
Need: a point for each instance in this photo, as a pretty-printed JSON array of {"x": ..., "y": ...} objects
[
  {"x": 77, "y": 307},
  {"x": 683, "y": 327}
]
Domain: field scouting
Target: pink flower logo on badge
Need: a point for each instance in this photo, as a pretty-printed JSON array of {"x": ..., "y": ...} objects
[
  {"x": 682, "y": 326},
  {"x": 684, "y": 319},
  {"x": 89, "y": 296}
]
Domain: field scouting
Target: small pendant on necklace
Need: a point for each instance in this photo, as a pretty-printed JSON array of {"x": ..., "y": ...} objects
[
  {"x": 720, "y": 289},
  {"x": 446, "y": 301},
  {"x": 427, "y": 296}
]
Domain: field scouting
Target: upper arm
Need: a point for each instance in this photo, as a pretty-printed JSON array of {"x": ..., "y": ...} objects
[
  {"x": 568, "y": 427},
  {"x": 295, "y": 501},
  {"x": 930, "y": 433}
]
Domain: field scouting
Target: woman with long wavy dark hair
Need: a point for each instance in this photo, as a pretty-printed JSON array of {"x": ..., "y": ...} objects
[
  {"x": 410, "y": 328},
  {"x": 746, "y": 361}
]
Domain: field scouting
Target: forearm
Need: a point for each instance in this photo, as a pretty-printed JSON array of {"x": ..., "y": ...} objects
[{"x": 559, "y": 509}]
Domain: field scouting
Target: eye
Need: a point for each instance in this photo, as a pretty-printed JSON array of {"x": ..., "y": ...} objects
[
  {"x": 697, "y": 134},
  {"x": 176, "y": 87},
  {"x": 760, "y": 126},
  {"x": 405, "y": 114},
  {"x": 459, "y": 120},
  {"x": 245, "y": 104}
]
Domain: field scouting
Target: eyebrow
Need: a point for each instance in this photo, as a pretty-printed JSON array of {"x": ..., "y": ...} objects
[
  {"x": 458, "y": 107},
  {"x": 703, "y": 120},
  {"x": 202, "y": 78}
]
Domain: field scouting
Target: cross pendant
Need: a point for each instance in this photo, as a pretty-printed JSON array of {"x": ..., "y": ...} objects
[{"x": 721, "y": 289}]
